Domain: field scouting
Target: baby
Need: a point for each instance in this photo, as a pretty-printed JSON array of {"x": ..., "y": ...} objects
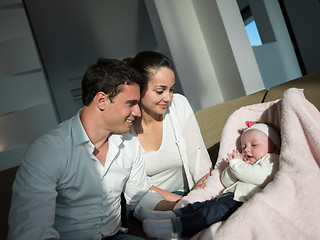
[{"x": 248, "y": 172}]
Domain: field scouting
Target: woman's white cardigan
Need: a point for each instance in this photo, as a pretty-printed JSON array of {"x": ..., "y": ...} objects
[{"x": 194, "y": 154}]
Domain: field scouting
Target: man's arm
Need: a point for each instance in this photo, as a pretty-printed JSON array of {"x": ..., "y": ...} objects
[
  {"x": 169, "y": 196},
  {"x": 32, "y": 210},
  {"x": 165, "y": 205}
]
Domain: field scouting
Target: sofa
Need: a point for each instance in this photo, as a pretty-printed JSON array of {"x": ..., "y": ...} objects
[{"x": 211, "y": 121}]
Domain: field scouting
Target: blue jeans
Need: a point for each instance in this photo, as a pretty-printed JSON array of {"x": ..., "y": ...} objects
[
  {"x": 122, "y": 236},
  {"x": 200, "y": 215},
  {"x": 181, "y": 193}
]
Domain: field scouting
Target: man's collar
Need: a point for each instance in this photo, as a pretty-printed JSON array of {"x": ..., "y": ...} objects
[{"x": 79, "y": 135}]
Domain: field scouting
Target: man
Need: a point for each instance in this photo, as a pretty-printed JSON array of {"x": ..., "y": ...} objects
[{"x": 69, "y": 183}]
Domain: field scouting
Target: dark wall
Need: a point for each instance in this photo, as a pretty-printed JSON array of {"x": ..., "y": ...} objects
[
  {"x": 73, "y": 34},
  {"x": 303, "y": 19}
]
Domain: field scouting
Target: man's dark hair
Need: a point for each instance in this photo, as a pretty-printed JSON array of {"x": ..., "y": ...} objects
[{"x": 107, "y": 76}]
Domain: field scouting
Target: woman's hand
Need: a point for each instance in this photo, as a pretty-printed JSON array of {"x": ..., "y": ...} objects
[{"x": 200, "y": 184}]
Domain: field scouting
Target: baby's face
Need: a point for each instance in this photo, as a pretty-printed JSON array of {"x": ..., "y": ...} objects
[{"x": 254, "y": 145}]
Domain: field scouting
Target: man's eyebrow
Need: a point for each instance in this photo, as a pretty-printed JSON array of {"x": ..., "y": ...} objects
[{"x": 133, "y": 101}]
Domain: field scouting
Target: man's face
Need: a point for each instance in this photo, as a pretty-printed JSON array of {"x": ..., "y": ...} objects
[{"x": 123, "y": 109}]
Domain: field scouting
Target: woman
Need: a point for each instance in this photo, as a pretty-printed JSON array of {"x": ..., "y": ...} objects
[{"x": 176, "y": 158}]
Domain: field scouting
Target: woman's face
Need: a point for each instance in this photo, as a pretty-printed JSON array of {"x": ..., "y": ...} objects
[{"x": 158, "y": 92}]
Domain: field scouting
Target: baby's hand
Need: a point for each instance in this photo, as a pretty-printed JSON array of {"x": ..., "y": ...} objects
[{"x": 233, "y": 155}]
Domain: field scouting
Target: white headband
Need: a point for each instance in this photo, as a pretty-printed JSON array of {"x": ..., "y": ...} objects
[{"x": 267, "y": 130}]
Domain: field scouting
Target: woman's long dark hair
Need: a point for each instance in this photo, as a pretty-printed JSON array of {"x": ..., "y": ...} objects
[{"x": 146, "y": 61}]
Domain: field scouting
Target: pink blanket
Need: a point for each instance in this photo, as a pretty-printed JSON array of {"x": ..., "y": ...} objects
[{"x": 289, "y": 206}]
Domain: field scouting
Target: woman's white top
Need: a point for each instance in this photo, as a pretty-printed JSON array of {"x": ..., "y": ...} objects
[
  {"x": 182, "y": 159},
  {"x": 164, "y": 166}
]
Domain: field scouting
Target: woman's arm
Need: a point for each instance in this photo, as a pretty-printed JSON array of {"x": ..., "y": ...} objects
[
  {"x": 167, "y": 195},
  {"x": 194, "y": 153}
]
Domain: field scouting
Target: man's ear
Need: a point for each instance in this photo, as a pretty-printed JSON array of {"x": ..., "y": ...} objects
[{"x": 101, "y": 99}]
